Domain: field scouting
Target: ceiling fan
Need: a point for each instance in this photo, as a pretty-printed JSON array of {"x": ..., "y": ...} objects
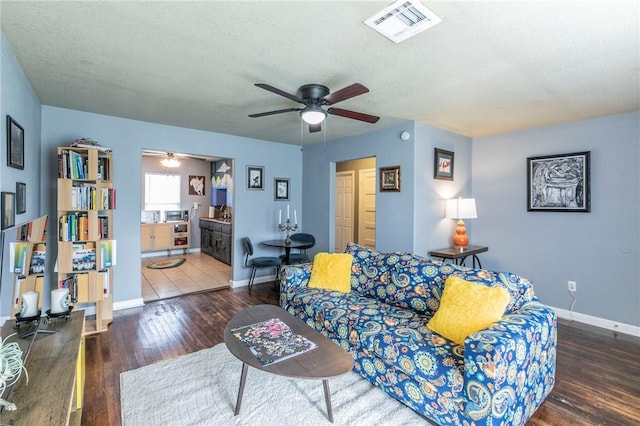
[{"x": 314, "y": 97}]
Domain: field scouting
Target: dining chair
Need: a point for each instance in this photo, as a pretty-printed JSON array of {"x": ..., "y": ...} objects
[
  {"x": 258, "y": 262},
  {"x": 301, "y": 256}
]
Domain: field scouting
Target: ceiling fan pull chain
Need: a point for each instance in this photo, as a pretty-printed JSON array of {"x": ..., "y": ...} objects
[{"x": 301, "y": 133}]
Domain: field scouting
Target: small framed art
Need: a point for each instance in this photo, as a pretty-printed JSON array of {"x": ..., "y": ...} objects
[
  {"x": 255, "y": 178},
  {"x": 559, "y": 183},
  {"x": 8, "y": 209},
  {"x": 196, "y": 185},
  {"x": 390, "y": 179},
  {"x": 15, "y": 144},
  {"x": 443, "y": 164},
  {"x": 281, "y": 189},
  {"x": 21, "y": 197}
]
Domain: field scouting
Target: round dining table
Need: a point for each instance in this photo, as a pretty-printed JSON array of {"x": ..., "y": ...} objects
[{"x": 287, "y": 246}]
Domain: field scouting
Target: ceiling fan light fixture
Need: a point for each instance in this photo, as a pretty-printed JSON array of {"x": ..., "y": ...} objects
[
  {"x": 170, "y": 162},
  {"x": 313, "y": 115}
]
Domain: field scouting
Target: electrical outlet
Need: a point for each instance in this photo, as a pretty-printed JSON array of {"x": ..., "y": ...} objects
[{"x": 572, "y": 286}]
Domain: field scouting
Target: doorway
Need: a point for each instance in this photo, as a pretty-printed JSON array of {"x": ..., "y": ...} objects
[
  {"x": 355, "y": 203},
  {"x": 199, "y": 271}
]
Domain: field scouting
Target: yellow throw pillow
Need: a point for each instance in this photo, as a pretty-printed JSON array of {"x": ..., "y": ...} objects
[
  {"x": 331, "y": 271},
  {"x": 467, "y": 307}
]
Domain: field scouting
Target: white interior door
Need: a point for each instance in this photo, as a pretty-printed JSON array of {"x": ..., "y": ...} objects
[
  {"x": 367, "y": 208},
  {"x": 344, "y": 215}
]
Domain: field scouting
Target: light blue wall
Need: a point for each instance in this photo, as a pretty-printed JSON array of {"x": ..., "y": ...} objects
[
  {"x": 431, "y": 229},
  {"x": 21, "y": 103},
  {"x": 409, "y": 220},
  {"x": 599, "y": 250},
  {"x": 18, "y": 100},
  {"x": 255, "y": 212}
]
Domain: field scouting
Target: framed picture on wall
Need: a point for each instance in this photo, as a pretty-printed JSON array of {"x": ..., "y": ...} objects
[
  {"x": 281, "y": 189},
  {"x": 443, "y": 164},
  {"x": 15, "y": 144},
  {"x": 196, "y": 185},
  {"x": 390, "y": 179},
  {"x": 559, "y": 183},
  {"x": 21, "y": 197},
  {"x": 7, "y": 209},
  {"x": 255, "y": 178}
]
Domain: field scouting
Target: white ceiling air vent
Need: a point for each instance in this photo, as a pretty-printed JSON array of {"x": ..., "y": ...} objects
[{"x": 403, "y": 19}]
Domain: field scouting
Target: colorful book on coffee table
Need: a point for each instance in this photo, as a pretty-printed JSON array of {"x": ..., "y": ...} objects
[{"x": 272, "y": 341}]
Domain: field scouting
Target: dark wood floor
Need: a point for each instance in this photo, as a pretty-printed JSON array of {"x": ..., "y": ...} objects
[{"x": 597, "y": 381}]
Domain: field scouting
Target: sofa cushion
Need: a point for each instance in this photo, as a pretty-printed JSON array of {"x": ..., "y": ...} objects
[
  {"x": 331, "y": 271},
  {"x": 467, "y": 307}
]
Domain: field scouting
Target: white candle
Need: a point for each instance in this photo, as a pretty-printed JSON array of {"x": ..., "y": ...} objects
[
  {"x": 287, "y": 211},
  {"x": 59, "y": 300},
  {"x": 29, "y": 304},
  {"x": 280, "y": 217},
  {"x": 295, "y": 217}
]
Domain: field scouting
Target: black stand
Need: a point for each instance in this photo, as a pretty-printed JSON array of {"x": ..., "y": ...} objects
[{"x": 36, "y": 321}]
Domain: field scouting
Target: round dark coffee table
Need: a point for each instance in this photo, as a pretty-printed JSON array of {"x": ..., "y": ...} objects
[{"x": 326, "y": 361}]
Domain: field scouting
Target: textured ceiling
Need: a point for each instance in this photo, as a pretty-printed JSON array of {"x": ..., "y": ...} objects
[{"x": 489, "y": 67}]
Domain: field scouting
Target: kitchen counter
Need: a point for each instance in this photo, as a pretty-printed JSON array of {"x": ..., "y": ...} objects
[{"x": 210, "y": 219}]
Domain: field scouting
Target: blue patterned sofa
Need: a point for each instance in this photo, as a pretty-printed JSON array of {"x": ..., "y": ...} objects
[{"x": 501, "y": 374}]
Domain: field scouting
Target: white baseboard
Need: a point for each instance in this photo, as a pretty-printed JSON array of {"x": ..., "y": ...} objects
[
  {"x": 617, "y": 327},
  {"x": 169, "y": 253},
  {"x": 257, "y": 280},
  {"x": 117, "y": 306}
]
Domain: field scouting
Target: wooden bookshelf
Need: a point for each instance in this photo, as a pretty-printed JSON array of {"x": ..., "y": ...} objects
[
  {"x": 28, "y": 254},
  {"x": 86, "y": 200}
]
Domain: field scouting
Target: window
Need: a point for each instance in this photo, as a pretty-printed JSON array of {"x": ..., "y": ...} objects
[{"x": 161, "y": 192}]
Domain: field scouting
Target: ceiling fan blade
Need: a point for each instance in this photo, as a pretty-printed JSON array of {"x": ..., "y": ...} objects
[
  {"x": 348, "y": 92},
  {"x": 315, "y": 128},
  {"x": 279, "y": 111},
  {"x": 279, "y": 92},
  {"x": 354, "y": 115}
]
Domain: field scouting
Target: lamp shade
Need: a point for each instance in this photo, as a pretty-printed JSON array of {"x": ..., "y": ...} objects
[
  {"x": 170, "y": 161},
  {"x": 313, "y": 114},
  {"x": 461, "y": 208}
]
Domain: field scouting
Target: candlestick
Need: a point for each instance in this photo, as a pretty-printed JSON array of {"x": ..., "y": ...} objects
[
  {"x": 287, "y": 211},
  {"x": 287, "y": 227},
  {"x": 280, "y": 217},
  {"x": 295, "y": 217}
]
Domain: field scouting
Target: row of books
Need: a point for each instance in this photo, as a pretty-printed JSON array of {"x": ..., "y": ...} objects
[
  {"x": 25, "y": 231},
  {"x": 72, "y": 165},
  {"x": 75, "y": 227},
  {"x": 18, "y": 258},
  {"x": 88, "y": 197},
  {"x": 79, "y": 289}
]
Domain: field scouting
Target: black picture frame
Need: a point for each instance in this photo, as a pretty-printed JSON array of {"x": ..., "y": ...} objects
[
  {"x": 15, "y": 144},
  {"x": 197, "y": 185},
  {"x": 390, "y": 179},
  {"x": 255, "y": 178},
  {"x": 281, "y": 189},
  {"x": 7, "y": 209},
  {"x": 443, "y": 162},
  {"x": 21, "y": 197},
  {"x": 559, "y": 183}
]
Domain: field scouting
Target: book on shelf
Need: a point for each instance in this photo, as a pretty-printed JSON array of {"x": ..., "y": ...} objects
[
  {"x": 89, "y": 143},
  {"x": 107, "y": 253},
  {"x": 104, "y": 278},
  {"x": 83, "y": 256},
  {"x": 70, "y": 282},
  {"x": 18, "y": 258},
  {"x": 272, "y": 341},
  {"x": 38, "y": 257}
]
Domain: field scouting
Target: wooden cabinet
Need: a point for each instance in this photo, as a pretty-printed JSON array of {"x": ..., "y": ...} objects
[
  {"x": 55, "y": 364},
  {"x": 86, "y": 248},
  {"x": 215, "y": 239},
  {"x": 165, "y": 236}
]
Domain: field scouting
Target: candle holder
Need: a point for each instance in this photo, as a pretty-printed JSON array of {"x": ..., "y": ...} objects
[{"x": 287, "y": 227}]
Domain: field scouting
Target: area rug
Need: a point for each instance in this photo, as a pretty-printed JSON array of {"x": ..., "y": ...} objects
[
  {"x": 201, "y": 389},
  {"x": 166, "y": 264}
]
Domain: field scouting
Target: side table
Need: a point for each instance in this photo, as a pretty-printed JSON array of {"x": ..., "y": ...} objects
[{"x": 458, "y": 255}]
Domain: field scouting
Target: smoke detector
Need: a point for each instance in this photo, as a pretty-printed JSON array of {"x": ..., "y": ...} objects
[{"x": 402, "y": 20}]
